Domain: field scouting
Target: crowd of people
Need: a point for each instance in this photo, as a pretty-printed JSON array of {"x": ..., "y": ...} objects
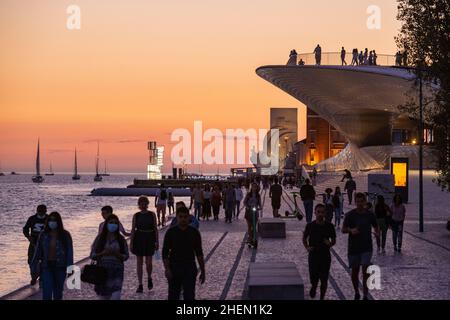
[
  {"x": 359, "y": 57},
  {"x": 50, "y": 250}
]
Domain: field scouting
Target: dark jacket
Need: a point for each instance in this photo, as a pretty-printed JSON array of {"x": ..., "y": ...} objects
[{"x": 307, "y": 192}]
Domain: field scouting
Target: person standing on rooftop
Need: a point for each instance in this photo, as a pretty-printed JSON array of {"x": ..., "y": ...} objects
[
  {"x": 343, "y": 54},
  {"x": 355, "y": 57},
  {"x": 292, "y": 58},
  {"x": 366, "y": 57},
  {"x": 361, "y": 58},
  {"x": 318, "y": 55},
  {"x": 375, "y": 58}
]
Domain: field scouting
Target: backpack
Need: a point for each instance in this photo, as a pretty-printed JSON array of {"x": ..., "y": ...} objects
[{"x": 163, "y": 195}]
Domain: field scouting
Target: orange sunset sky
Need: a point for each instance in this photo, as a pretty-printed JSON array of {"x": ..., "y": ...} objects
[{"x": 138, "y": 69}]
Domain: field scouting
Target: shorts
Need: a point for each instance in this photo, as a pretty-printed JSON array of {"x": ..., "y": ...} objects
[
  {"x": 319, "y": 267},
  {"x": 360, "y": 259}
]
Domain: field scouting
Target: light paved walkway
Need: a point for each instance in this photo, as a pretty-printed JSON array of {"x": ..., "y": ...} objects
[{"x": 420, "y": 272}]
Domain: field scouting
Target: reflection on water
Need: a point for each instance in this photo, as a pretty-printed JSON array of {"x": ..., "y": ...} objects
[{"x": 80, "y": 212}]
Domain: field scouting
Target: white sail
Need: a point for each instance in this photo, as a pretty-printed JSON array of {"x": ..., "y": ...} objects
[{"x": 76, "y": 165}]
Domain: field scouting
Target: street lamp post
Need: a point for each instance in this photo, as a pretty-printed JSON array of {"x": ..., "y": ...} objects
[{"x": 421, "y": 128}]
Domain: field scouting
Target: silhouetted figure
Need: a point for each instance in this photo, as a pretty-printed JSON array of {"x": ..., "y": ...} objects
[
  {"x": 371, "y": 58},
  {"x": 301, "y": 62},
  {"x": 350, "y": 187},
  {"x": 355, "y": 57},
  {"x": 308, "y": 195},
  {"x": 275, "y": 194},
  {"x": 398, "y": 59},
  {"x": 398, "y": 218},
  {"x": 375, "y": 58},
  {"x": 318, "y": 55},
  {"x": 343, "y": 54},
  {"x": 366, "y": 57},
  {"x": 328, "y": 202},
  {"x": 361, "y": 58},
  {"x": 292, "y": 58},
  {"x": 347, "y": 175},
  {"x": 405, "y": 58}
]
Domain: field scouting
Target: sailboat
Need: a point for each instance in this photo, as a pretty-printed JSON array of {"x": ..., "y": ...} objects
[
  {"x": 51, "y": 171},
  {"x": 106, "y": 174},
  {"x": 38, "y": 178},
  {"x": 76, "y": 176},
  {"x": 1, "y": 173},
  {"x": 97, "y": 177}
]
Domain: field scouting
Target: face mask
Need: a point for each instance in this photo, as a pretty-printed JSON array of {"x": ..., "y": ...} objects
[
  {"x": 53, "y": 225},
  {"x": 112, "y": 227}
]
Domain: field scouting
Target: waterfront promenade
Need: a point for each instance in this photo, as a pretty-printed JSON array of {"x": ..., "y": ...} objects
[{"x": 419, "y": 272}]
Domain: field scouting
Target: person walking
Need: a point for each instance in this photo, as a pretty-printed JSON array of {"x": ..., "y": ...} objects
[
  {"x": 318, "y": 55},
  {"x": 32, "y": 229},
  {"x": 338, "y": 204},
  {"x": 239, "y": 196},
  {"x": 54, "y": 254},
  {"x": 182, "y": 244},
  {"x": 350, "y": 187},
  {"x": 206, "y": 207},
  {"x": 375, "y": 57},
  {"x": 197, "y": 195},
  {"x": 328, "y": 202},
  {"x": 355, "y": 57},
  {"x": 347, "y": 175},
  {"x": 230, "y": 202},
  {"x": 170, "y": 201},
  {"x": 110, "y": 250},
  {"x": 275, "y": 193},
  {"x": 343, "y": 54},
  {"x": 216, "y": 201},
  {"x": 382, "y": 212},
  {"x": 358, "y": 224},
  {"x": 308, "y": 195},
  {"x": 361, "y": 58},
  {"x": 107, "y": 211},
  {"x": 318, "y": 238},
  {"x": 161, "y": 205},
  {"x": 397, "y": 221},
  {"x": 144, "y": 241},
  {"x": 252, "y": 203},
  {"x": 193, "y": 222}
]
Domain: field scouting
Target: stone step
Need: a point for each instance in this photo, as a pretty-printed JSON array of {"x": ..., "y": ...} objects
[{"x": 272, "y": 228}]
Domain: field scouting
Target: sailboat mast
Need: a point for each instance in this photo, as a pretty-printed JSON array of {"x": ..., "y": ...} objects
[
  {"x": 98, "y": 158},
  {"x": 38, "y": 160},
  {"x": 76, "y": 166}
]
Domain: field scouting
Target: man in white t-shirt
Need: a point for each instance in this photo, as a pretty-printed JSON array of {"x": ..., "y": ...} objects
[
  {"x": 161, "y": 204},
  {"x": 239, "y": 197}
]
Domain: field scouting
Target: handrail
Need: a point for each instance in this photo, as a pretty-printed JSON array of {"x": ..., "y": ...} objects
[{"x": 334, "y": 59}]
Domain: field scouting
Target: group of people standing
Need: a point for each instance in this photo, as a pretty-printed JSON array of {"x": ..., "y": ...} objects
[{"x": 206, "y": 200}]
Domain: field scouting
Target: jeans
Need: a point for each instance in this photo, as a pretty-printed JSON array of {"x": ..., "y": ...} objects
[
  {"x": 381, "y": 241},
  {"x": 350, "y": 196},
  {"x": 308, "y": 204},
  {"x": 197, "y": 209},
  {"x": 397, "y": 233},
  {"x": 238, "y": 207},
  {"x": 337, "y": 216},
  {"x": 229, "y": 211},
  {"x": 183, "y": 276},
  {"x": 53, "y": 279}
]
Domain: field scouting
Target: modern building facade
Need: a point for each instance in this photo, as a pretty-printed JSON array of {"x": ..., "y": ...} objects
[
  {"x": 155, "y": 161},
  {"x": 362, "y": 108},
  {"x": 285, "y": 120}
]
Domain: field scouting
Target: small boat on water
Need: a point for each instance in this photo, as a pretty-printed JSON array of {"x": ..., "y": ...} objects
[
  {"x": 38, "y": 178},
  {"x": 51, "y": 171},
  {"x": 13, "y": 173},
  {"x": 1, "y": 173},
  {"x": 97, "y": 177},
  {"x": 76, "y": 176}
]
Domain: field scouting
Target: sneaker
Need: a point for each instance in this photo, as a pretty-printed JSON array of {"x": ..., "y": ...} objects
[
  {"x": 140, "y": 289},
  {"x": 150, "y": 284},
  {"x": 33, "y": 282}
]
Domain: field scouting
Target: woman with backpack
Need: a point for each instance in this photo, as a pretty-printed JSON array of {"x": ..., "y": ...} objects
[
  {"x": 110, "y": 250},
  {"x": 144, "y": 241},
  {"x": 54, "y": 253},
  {"x": 338, "y": 204}
]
